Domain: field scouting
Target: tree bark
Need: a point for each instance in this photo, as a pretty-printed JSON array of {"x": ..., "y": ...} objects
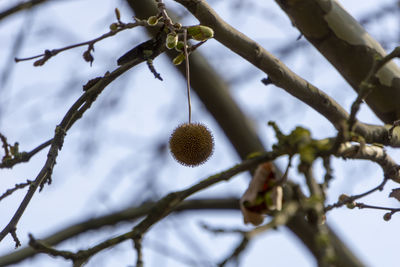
[{"x": 349, "y": 48}]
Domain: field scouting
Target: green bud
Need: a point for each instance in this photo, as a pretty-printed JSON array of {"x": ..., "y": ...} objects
[
  {"x": 343, "y": 198},
  {"x": 178, "y": 26},
  {"x": 114, "y": 26},
  {"x": 117, "y": 14},
  {"x": 172, "y": 40},
  {"x": 180, "y": 46},
  {"x": 152, "y": 21},
  {"x": 351, "y": 205},
  {"x": 200, "y": 32},
  {"x": 178, "y": 59}
]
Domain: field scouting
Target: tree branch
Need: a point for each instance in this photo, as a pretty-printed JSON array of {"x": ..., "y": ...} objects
[
  {"x": 350, "y": 49},
  {"x": 74, "y": 113},
  {"x": 128, "y": 214},
  {"x": 280, "y": 75},
  {"x": 20, "y": 7}
]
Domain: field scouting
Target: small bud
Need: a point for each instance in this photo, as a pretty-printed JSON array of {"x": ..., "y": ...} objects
[
  {"x": 114, "y": 26},
  {"x": 180, "y": 46},
  {"x": 200, "y": 32},
  {"x": 351, "y": 205},
  {"x": 387, "y": 216},
  {"x": 39, "y": 62},
  {"x": 87, "y": 56},
  {"x": 178, "y": 59},
  {"x": 117, "y": 14},
  {"x": 343, "y": 198},
  {"x": 152, "y": 21},
  {"x": 178, "y": 26},
  {"x": 172, "y": 40}
]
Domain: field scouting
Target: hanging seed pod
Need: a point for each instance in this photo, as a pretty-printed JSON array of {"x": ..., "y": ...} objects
[{"x": 191, "y": 144}]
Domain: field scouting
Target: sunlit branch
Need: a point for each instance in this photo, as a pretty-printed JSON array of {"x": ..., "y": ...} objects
[{"x": 280, "y": 75}]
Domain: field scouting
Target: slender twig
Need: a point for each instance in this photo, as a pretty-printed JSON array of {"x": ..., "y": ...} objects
[
  {"x": 24, "y": 156},
  {"x": 350, "y": 199},
  {"x": 170, "y": 202},
  {"x": 42, "y": 247},
  {"x": 50, "y": 53},
  {"x": 167, "y": 20},
  {"x": 366, "y": 86},
  {"x": 20, "y": 7},
  {"x": 128, "y": 214},
  {"x": 365, "y": 206},
  {"x": 138, "y": 246},
  {"x": 74, "y": 113},
  {"x": 15, "y": 188},
  {"x": 187, "y": 72},
  {"x": 280, "y": 218}
]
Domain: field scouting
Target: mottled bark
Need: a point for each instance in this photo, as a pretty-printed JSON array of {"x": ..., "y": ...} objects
[{"x": 349, "y": 48}]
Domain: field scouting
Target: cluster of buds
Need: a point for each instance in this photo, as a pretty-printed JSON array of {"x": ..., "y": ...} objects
[{"x": 199, "y": 33}]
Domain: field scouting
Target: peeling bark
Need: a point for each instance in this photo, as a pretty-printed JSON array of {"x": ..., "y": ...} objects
[{"x": 349, "y": 48}]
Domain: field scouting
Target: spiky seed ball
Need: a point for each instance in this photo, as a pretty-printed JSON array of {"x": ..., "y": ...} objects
[{"x": 191, "y": 144}]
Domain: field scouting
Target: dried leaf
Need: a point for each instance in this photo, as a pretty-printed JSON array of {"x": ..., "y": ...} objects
[
  {"x": 395, "y": 193},
  {"x": 262, "y": 195}
]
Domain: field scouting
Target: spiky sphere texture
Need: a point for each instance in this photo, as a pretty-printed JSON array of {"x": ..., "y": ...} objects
[{"x": 191, "y": 144}]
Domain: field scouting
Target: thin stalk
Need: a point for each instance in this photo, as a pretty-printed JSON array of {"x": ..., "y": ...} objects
[{"x": 187, "y": 72}]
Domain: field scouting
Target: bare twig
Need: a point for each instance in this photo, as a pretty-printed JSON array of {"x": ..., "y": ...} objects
[
  {"x": 16, "y": 187},
  {"x": 138, "y": 246},
  {"x": 167, "y": 204},
  {"x": 73, "y": 114},
  {"x": 280, "y": 218},
  {"x": 128, "y": 214},
  {"x": 50, "y": 53},
  {"x": 365, "y": 206},
  {"x": 167, "y": 20},
  {"x": 20, "y": 7},
  {"x": 366, "y": 86},
  {"x": 185, "y": 50},
  {"x": 42, "y": 247},
  {"x": 350, "y": 199},
  {"x": 23, "y": 156}
]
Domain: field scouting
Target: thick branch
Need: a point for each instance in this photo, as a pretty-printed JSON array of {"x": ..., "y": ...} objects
[
  {"x": 280, "y": 75},
  {"x": 350, "y": 49},
  {"x": 20, "y": 7}
]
